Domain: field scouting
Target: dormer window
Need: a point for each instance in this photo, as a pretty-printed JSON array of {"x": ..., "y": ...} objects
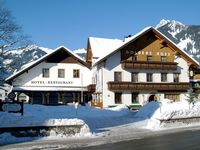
[
  {"x": 163, "y": 59},
  {"x": 149, "y": 58},
  {"x": 134, "y": 58}
]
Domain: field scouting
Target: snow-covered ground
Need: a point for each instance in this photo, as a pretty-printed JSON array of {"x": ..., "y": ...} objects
[
  {"x": 92, "y": 118},
  {"x": 111, "y": 122}
]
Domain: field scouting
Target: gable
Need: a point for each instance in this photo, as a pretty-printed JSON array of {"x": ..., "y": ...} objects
[
  {"x": 62, "y": 56},
  {"x": 147, "y": 45},
  {"x": 152, "y": 36}
]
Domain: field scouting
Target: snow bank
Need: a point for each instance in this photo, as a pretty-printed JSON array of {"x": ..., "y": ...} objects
[
  {"x": 86, "y": 116},
  {"x": 118, "y": 108},
  {"x": 166, "y": 110}
]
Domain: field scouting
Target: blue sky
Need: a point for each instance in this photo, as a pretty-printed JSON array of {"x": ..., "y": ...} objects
[{"x": 52, "y": 23}]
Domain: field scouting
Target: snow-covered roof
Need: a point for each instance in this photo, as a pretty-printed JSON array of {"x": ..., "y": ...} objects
[
  {"x": 139, "y": 34},
  {"x": 103, "y": 46},
  {"x": 32, "y": 64},
  {"x": 122, "y": 44}
]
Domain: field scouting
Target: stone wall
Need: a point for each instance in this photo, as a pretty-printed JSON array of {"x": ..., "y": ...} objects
[{"x": 40, "y": 131}]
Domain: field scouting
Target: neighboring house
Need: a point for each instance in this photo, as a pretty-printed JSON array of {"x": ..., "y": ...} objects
[
  {"x": 59, "y": 77},
  {"x": 146, "y": 67},
  {"x": 98, "y": 48}
]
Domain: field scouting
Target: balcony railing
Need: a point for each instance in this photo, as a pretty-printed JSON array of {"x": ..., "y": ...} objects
[
  {"x": 91, "y": 88},
  {"x": 148, "y": 65},
  {"x": 181, "y": 86}
]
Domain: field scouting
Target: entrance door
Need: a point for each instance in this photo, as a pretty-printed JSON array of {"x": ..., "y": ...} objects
[{"x": 152, "y": 98}]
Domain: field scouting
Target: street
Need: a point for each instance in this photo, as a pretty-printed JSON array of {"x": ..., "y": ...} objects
[
  {"x": 185, "y": 140},
  {"x": 126, "y": 139}
]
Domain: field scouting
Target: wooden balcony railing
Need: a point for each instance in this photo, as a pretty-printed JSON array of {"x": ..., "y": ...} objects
[
  {"x": 181, "y": 86},
  {"x": 148, "y": 65},
  {"x": 91, "y": 88}
]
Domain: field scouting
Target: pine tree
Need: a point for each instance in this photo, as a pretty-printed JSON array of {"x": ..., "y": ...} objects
[{"x": 191, "y": 97}]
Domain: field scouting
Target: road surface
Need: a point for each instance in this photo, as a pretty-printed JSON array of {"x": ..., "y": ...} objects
[
  {"x": 185, "y": 140},
  {"x": 174, "y": 139}
]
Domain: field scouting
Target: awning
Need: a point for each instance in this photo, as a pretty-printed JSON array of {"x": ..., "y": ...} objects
[{"x": 36, "y": 88}]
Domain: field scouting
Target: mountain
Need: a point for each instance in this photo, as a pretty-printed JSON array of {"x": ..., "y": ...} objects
[
  {"x": 81, "y": 52},
  {"x": 15, "y": 59},
  {"x": 187, "y": 37}
]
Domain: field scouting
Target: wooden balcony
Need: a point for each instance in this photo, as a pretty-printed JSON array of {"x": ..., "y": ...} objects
[
  {"x": 181, "y": 86},
  {"x": 149, "y": 65},
  {"x": 91, "y": 88}
]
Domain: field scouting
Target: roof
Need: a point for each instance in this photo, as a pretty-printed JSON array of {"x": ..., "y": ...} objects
[
  {"x": 103, "y": 46},
  {"x": 144, "y": 31},
  {"x": 32, "y": 64}
]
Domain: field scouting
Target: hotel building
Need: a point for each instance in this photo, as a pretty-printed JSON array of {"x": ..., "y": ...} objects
[{"x": 145, "y": 67}]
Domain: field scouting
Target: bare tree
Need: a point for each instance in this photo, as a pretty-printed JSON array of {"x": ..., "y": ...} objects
[{"x": 11, "y": 36}]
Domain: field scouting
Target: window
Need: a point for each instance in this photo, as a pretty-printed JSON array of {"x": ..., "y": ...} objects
[
  {"x": 174, "y": 97},
  {"x": 134, "y": 97},
  {"x": 149, "y": 77},
  {"x": 134, "y": 58},
  {"x": 163, "y": 77},
  {"x": 45, "y": 72},
  {"x": 76, "y": 73},
  {"x": 118, "y": 98},
  {"x": 163, "y": 59},
  {"x": 149, "y": 58},
  {"x": 117, "y": 76},
  {"x": 134, "y": 77},
  {"x": 61, "y": 73},
  {"x": 176, "y": 77}
]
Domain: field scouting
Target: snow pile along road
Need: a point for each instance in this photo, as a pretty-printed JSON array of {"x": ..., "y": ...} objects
[
  {"x": 92, "y": 119},
  {"x": 167, "y": 110}
]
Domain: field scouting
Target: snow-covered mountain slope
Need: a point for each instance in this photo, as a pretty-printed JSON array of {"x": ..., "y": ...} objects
[
  {"x": 81, "y": 52},
  {"x": 15, "y": 59},
  {"x": 186, "y": 37}
]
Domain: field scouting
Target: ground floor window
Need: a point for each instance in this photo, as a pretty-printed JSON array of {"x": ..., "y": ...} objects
[
  {"x": 118, "y": 98},
  {"x": 55, "y": 98},
  {"x": 174, "y": 97},
  {"x": 134, "y": 96}
]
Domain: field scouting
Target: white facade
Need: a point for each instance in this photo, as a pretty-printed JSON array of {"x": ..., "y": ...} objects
[
  {"x": 58, "y": 78},
  {"x": 33, "y": 79},
  {"x": 106, "y": 72},
  {"x": 104, "y": 69},
  {"x": 102, "y": 72}
]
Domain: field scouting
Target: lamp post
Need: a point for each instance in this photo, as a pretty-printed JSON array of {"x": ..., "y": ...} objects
[{"x": 81, "y": 88}]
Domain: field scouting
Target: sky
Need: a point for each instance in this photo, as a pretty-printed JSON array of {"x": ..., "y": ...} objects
[{"x": 69, "y": 23}]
